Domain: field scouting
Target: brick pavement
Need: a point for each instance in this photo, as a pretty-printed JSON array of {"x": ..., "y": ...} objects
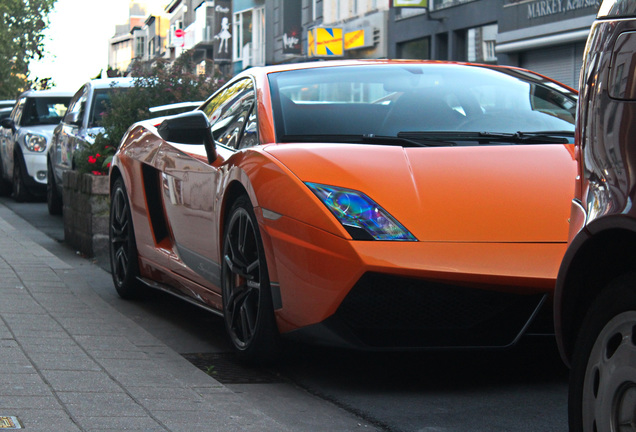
[{"x": 71, "y": 362}]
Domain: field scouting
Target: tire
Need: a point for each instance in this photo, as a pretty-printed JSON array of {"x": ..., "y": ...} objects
[
  {"x": 247, "y": 300},
  {"x": 602, "y": 392},
  {"x": 53, "y": 198},
  {"x": 124, "y": 262},
  {"x": 21, "y": 191}
]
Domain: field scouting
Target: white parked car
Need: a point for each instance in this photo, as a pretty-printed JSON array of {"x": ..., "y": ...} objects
[
  {"x": 24, "y": 139},
  {"x": 80, "y": 126}
]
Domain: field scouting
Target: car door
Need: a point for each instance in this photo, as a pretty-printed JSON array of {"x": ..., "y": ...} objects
[
  {"x": 190, "y": 185},
  {"x": 67, "y": 133}
]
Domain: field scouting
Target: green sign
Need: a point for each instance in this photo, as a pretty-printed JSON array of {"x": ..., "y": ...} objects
[{"x": 410, "y": 3}]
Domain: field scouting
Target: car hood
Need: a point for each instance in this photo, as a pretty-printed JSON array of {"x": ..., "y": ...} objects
[
  {"x": 493, "y": 194},
  {"x": 44, "y": 130}
]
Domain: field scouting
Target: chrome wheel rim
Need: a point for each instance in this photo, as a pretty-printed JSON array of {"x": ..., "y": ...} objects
[
  {"x": 120, "y": 235},
  {"x": 242, "y": 281},
  {"x": 609, "y": 389}
]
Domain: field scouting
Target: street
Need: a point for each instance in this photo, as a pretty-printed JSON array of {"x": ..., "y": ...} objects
[{"x": 315, "y": 388}]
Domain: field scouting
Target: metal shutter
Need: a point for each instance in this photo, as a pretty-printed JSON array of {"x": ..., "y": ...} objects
[{"x": 562, "y": 63}]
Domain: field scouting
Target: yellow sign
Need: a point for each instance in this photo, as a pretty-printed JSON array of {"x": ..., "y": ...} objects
[
  {"x": 329, "y": 42},
  {"x": 311, "y": 43},
  {"x": 354, "y": 39}
]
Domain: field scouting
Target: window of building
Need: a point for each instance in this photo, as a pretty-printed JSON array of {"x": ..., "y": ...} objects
[
  {"x": 481, "y": 44},
  {"x": 415, "y": 49},
  {"x": 141, "y": 45},
  {"x": 249, "y": 40}
]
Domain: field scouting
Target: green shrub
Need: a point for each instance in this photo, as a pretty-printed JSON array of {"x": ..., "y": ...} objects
[{"x": 161, "y": 84}]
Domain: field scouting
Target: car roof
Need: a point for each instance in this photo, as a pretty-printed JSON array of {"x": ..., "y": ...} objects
[
  {"x": 46, "y": 93},
  {"x": 102, "y": 83}
]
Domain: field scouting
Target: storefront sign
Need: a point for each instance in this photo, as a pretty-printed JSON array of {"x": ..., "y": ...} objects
[
  {"x": 362, "y": 38},
  {"x": 292, "y": 27},
  {"x": 410, "y": 3},
  {"x": 543, "y": 8},
  {"x": 222, "y": 31},
  {"x": 354, "y": 39},
  {"x": 325, "y": 42}
]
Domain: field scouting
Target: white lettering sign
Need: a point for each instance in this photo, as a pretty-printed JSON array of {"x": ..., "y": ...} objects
[
  {"x": 545, "y": 8},
  {"x": 290, "y": 41}
]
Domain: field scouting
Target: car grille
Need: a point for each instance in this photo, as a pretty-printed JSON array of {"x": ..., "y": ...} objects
[{"x": 388, "y": 311}]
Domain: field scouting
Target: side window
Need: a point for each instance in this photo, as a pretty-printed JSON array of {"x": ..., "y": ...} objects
[
  {"x": 250, "y": 134},
  {"x": 99, "y": 106},
  {"x": 76, "y": 107},
  {"x": 16, "y": 114},
  {"x": 230, "y": 114}
]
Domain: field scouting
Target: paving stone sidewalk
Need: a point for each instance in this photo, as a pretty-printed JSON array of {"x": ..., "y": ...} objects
[{"x": 70, "y": 362}]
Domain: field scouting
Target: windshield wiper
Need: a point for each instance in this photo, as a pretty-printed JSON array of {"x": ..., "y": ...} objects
[
  {"x": 366, "y": 139},
  {"x": 542, "y": 137}
]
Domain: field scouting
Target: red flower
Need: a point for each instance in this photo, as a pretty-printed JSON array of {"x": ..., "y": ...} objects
[
  {"x": 92, "y": 159},
  {"x": 97, "y": 155},
  {"x": 97, "y": 173}
]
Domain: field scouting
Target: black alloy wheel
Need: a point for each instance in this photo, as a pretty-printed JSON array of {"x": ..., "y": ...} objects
[
  {"x": 602, "y": 396},
  {"x": 124, "y": 262},
  {"x": 247, "y": 300},
  {"x": 53, "y": 198},
  {"x": 21, "y": 192}
]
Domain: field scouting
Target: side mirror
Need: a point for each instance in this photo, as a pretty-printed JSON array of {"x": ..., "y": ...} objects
[
  {"x": 189, "y": 128},
  {"x": 8, "y": 123}
]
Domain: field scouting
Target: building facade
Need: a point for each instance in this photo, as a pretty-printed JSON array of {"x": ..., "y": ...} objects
[
  {"x": 457, "y": 30},
  {"x": 205, "y": 27},
  {"x": 547, "y": 36}
]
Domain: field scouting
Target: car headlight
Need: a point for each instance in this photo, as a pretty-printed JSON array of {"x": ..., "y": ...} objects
[
  {"x": 34, "y": 142},
  {"x": 362, "y": 217}
]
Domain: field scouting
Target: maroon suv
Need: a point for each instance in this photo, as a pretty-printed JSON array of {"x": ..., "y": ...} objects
[{"x": 595, "y": 298}]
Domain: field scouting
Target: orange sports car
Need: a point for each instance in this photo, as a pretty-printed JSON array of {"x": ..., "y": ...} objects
[{"x": 370, "y": 204}]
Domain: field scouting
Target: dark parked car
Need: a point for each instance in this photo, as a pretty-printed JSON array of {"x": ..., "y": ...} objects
[
  {"x": 595, "y": 298},
  {"x": 80, "y": 126}
]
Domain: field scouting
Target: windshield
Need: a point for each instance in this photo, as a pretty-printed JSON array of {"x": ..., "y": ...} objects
[
  {"x": 385, "y": 100},
  {"x": 44, "y": 110}
]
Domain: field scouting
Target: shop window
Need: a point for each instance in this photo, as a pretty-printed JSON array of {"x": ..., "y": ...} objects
[{"x": 415, "y": 49}]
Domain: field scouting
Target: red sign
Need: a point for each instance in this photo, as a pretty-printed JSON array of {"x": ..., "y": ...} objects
[{"x": 179, "y": 33}]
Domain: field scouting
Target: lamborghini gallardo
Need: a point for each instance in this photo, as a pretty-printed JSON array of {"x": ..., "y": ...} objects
[{"x": 368, "y": 204}]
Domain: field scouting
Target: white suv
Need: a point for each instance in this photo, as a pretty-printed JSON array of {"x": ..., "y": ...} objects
[{"x": 24, "y": 139}]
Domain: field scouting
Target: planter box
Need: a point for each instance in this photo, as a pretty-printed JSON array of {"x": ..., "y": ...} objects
[{"x": 86, "y": 213}]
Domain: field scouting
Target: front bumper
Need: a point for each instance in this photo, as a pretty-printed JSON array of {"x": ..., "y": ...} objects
[
  {"x": 36, "y": 168},
  {"x": 374, "y": 294}
]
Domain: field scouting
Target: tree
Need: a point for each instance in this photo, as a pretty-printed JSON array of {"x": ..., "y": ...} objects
[{"x": 21, "y": 40}]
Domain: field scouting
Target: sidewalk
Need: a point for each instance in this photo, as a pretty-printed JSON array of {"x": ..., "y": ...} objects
[{"x": 71, "y": 362}]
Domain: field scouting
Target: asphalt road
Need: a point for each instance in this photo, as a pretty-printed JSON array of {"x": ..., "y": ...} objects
[{"x": 313, "y": 388}]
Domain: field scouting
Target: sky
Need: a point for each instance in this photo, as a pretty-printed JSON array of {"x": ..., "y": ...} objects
[{"x": 76, "y": 42}]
